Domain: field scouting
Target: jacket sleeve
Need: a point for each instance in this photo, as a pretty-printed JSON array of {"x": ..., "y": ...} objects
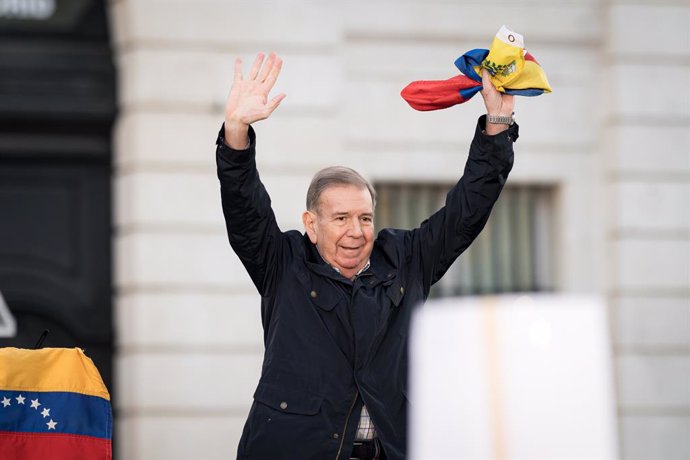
[
  {"x": 249, "y": 219},
  {"x": 447, "y": 233}
]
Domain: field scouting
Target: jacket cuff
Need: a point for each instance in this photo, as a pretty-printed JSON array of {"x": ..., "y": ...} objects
[
  {"x": 233, "y": 155},
  {"x": 496, "y": 141}
]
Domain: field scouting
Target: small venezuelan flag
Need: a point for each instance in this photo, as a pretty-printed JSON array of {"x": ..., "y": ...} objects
[
  {"x": 53, "y": 405},
  {"x": 512, "y": 71}
]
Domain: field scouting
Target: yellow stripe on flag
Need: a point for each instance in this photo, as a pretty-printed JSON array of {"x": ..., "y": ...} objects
[{"x": 50, "y": 369}]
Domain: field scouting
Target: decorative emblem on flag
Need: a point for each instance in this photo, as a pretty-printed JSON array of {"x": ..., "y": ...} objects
[{"x": 53, "y": 405}]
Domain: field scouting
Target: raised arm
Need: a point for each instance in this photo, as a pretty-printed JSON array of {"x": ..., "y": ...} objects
[
  {"x": 446, "y": 234},
  {"x": 251, "y": 225}
]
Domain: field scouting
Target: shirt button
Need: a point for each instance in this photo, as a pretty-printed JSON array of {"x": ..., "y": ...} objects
[
  {"x": 283, "y": 405},
  {"x": 336, "y": 435},
  {"x": 313, "y": 294}
]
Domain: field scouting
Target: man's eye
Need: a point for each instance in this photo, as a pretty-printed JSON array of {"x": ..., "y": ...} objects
[
  {"x": 367, "y": 219},
  {"x": 341, "y": 218}
]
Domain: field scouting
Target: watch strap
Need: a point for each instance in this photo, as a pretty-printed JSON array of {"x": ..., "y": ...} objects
[{"x": 501, "y": 119}]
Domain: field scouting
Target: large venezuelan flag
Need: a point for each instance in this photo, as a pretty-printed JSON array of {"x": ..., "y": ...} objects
[{"x": 53, "y": 405}]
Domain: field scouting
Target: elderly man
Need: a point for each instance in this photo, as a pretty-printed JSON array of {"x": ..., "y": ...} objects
[{"x": 336, "y": 301}]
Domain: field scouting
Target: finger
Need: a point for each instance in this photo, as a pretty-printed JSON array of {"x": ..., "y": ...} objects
[
  {"x": 273, "y": 75},
  {"x": 238, "y": 69},
  {"x": 256, "y": 66},
  {"x": 488, "y": 86},
  {"x": 267, "y": 67}
]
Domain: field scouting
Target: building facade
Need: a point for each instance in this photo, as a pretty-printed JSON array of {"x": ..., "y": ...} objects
[{"x": 611, "y": 144}]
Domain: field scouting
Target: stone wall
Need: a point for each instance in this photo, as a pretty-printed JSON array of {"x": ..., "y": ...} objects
[{"x": 613, "y": 140}]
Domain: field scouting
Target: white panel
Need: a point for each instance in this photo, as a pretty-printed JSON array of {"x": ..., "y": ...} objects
[
  {"x": 655, "y": 437},
  {"x": 656, "y": 381},
  {"x": 652, "y": 264},
  {"x": 652, "y": 205},
  {"x": 497, "y": 374},
  {"x": 187, "y": 381},
  {"x": 650, "y": 31},
  {"x": 175, "y": 437},
  {"x": 653, "y": 321},
  {"x": 189, "y": 319}
]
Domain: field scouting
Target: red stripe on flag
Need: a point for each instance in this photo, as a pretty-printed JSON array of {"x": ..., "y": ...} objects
[
  {"x": 436, "y": 94},
  {"x": 529, "y": 57},
  {"x": 39, "y": 446}
]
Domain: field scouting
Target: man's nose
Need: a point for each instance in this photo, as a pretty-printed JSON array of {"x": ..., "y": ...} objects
[{"x": 355, "y": 229}]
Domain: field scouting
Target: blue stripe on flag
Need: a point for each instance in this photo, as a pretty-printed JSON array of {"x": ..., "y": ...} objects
[
  {"x": 55, "y": 412},
  {"x": 525, "y": 92},
  {"x": 467, "y": 93}
]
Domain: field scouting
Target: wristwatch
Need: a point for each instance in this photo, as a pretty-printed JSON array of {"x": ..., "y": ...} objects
[{"x": 501, "y": 119}]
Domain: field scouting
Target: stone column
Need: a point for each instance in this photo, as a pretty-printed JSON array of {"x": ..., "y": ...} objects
[{"x": 648, "y": 131}]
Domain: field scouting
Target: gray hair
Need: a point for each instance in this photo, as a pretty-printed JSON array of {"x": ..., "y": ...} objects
[{"x": 335, "y": 175}]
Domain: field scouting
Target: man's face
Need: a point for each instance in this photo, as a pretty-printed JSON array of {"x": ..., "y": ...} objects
[{"x": 342, "y": 227}]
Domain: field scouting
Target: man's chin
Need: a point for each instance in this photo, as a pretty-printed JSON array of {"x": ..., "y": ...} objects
[{"x": 350, "y": 264}]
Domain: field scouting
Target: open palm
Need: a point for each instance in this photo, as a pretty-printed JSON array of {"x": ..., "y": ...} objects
[{"x": 248, "y": 99}]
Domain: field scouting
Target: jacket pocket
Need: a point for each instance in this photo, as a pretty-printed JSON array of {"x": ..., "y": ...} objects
[
  {"x": 288, "y": 400},
  {"x": 395, "y": 292},
  {"x": 324, "y": 295}
]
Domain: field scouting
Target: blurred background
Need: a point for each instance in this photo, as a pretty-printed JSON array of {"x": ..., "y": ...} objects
[{"x": 111, "y": 231}]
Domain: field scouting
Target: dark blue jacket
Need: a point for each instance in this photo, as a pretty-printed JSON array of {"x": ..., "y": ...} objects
[{"x": 332, "y": 344}]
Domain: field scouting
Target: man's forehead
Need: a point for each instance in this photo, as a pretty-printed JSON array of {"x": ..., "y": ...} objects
[
  {"x": 345, "y": 192},
  {"x": 345, "y": 197}
]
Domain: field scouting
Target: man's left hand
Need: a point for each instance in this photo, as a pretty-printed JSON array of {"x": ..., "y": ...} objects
[{"x": 496, "y": 103}]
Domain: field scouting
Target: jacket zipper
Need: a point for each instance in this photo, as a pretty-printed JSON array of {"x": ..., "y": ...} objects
[{"x": 342, "y": 437}]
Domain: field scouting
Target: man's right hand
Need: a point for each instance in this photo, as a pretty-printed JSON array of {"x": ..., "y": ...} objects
[{"x": 248, "y": 100}]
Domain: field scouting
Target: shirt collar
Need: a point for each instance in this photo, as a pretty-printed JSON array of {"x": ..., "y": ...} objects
[{"x": 362, "y": 270}]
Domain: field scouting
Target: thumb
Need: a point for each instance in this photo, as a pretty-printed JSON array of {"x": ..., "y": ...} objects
[{"x": 273, "y": 104}]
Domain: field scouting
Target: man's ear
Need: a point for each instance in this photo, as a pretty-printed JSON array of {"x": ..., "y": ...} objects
[{"x": 309, "y": 221}]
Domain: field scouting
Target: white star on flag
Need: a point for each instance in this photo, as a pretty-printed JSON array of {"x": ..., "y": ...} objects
[
  {"x": 45, "y": 412},
  {"x": 35, "y": 403},
  {"x": 5, "y": 401},
  {"x": 20, "y": 399},
  {"x": 51, "y": 424}
]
